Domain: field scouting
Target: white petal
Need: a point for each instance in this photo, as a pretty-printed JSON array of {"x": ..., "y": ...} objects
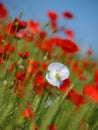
[
  {"x": 54, "y": 66},
  {"x": 53, "y": 81},
  {"x": 64, "y": 73}
]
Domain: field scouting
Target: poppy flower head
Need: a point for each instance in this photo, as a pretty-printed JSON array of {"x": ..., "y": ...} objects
[
  {"x": 28, "y": 113},
  {"x": 15, "y": 26},
  {"x": 68, "y": 15},
  {"x": 21, "y": 24},
  {"x": 3, "y": 11},
  {"x": 89, "y": 52},
  {"x": 91, "y": 92},
  {"x": 52, "y": 15},
  {"x": 69, "y": 46},
  {"x": 24, "y": 55},
  {"x": 33, "y": 25},
  {"x": 52, "y": 127},
  {"x": 1, "y": 61},
  {"x": 57, "y": 74},
  {"x": 76, "y": 98},
  {"x": 96, "y": 77},
  {"x": 69, "y": 33}
]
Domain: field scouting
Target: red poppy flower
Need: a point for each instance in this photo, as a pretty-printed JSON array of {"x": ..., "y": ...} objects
[
  {"x": 69, "y": 33},
  {"x": 3, "y": 11},
  {"x": 44, "y": 65},
  {"x": 28, "y": 35},
  {"x": 38, "y": 83},
  {"x": 15, "y": 26},
  {"x": 76, "y": 98},
  {"x": 24, "y": 55},
  {"x": 21, "y": 24},
  {"x": 65, "y": 85},
  {"x": 45, "y": 46},
  {"x": 20, "y": 75},
  {"x": 42, "y": 35},
  {"x": 82, "y": 77},
  {"x": 1, "y": 61},
  {"x": 35, "y": 127},
  {"x": 91, "y": 91},
  {"x": 8, "y": 49},
  {"x": 52, "y": 127},
  {"x": 96, "y": 77},
  {"x": 33, "y": 25},
  {"x": 89, "y": 52},
  {"x": 32, "y": 66},
  {"x": 75, "y": 67},
  {"x": 11, "y": 67},
  {"x": 68, "y": 15},
  {"x": 1, "y": 52},
  {"x": 85, "y": 63},
  {"x": 28, "y": 113},
  {"x": 81, "y": 74},
  {"x": 52, "y": 15},
  {"x": 69, "y": 46}
]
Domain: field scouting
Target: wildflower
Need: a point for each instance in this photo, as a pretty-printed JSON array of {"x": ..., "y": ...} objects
[
  {"x": 35, "y": 127},
  {"x": 68, "y": 15},
  {"x": 11, "y": 67},
  {"x": 28, "y": 35},
  {"x": 91, "y": 91},
  {"x": 89, "y": 52},
  {"x": 96, "y": 77},
  {"x": 33, "y": 25},
  {"x": 20, "y": 75},
  {"x": 69, "y": 46},
  {"x": 38, "y": 83},
  {"x": 57, "y": 74},
  {"x": 32, "y": 66},
  {"x": 28, "y": 113},
  {"x": 24, "y": 55},
  {"x": 1, "y": 61},
  {"x": 21, "y": 24},
  {"x": 42, "y": 34},
  {"x": 69, "y": 33},
  {"x": 15, "y": 26},
  {"x": 3, "y": 11},
  {"x": 52, "y": 15},
  {"x": 52, "y": 127},
  {"x": 76, "y": 98}
]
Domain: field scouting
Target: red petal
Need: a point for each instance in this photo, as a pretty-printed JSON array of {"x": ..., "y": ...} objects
[
  {"x": 69, "y": 46},
  {"x": 91, "y": 92},
  {"x": 96, "y": 77},
  {"x": 69, "y": 33},
  {"x": 52, "y": 127},
  {"x": 68, "y": 15},
  {"x": 65, "y": 85},
  {"x": 52, "y": 15}
]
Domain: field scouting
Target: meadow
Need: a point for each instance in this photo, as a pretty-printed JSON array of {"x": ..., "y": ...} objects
[{"x": 45, "y": 84}]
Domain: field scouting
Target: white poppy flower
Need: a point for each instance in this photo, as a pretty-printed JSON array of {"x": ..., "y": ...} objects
[{"x": 57, "y": 73}]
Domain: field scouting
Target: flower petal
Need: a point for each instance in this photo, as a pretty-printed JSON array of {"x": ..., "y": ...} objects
[{"x": 54, "y": 82}]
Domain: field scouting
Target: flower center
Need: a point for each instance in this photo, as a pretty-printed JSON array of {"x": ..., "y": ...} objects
[{"x": 57, "y": 75}]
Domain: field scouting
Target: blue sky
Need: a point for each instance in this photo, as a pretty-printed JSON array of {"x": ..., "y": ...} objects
[{"x": 84, "y": 24}]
